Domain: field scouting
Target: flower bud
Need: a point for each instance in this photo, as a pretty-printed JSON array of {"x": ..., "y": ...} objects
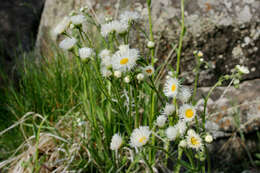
[
  {"x": 127, "y": 79},
  {"x": 117, "y": 74},
  {"x": 208, "y": 138},
  {"x": 140, "y": 76},
  {"x": 150, "y": 44}
]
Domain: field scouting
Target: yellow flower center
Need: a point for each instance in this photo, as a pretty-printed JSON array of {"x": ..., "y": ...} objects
[
  {"x": 173, "y": 87},
  {"x": 189, "y": 113},
  {"x": 142, "y": 139},
  {"x": 194, "y": 141},
  {"x": 124, "y": 61},
  {"x": 149, "y": 71}
]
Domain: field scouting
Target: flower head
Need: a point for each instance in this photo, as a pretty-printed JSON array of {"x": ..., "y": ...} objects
[
  {"x": 117, "y": 74},
  {"x": 140, "y": 136},
  {"x": 184, "y": 94},
  {"x": 161, "y": 120},
  {"x": 208, "y": 138},
  {"x": 129, "y": 16},
  {"x": 77, "y": 19},
  {"x": 113, "y": 26},
  {"x": 171, "y": 133},
  {"x": 171, "y": 87},
  {"x": 194, "y": 140},
  {"x": 68, "y": 43},
  {"x": 85, "y": 52},
  {"x": 60, "y": 27},
  {"x": 187, "y": 112},
  {"x": 140, "y": 76},
  {"x": 181, "y": 127},
  {"x": 125, "y": 58},
  {"x": 116, "y": 142},
  {"x": 168, "y": 109},
  {"x": 148, "y": 70},
  {"x": 127, "y": 79},
  {"x": 242, "y": 69},
  {"x": 150, "y": 44},
  {"x": 104, "y": 53}
]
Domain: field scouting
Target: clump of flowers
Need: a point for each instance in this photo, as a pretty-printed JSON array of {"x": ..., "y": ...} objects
[{"x": 153, "y": 117}]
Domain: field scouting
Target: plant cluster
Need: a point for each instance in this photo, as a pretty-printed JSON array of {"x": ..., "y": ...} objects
[{"x": 128, "y": 117}]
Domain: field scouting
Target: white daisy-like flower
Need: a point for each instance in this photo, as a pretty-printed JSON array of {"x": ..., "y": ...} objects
[
  {"x": 140, "y": 136},
  {"x": 125, "y": 59},
  {"x": 194, "y": 140},
  {"x": 208, "y": 138},
  {"x": 60, "y": 28},
  {"x": 113, "y": 26},
  {"x": 242, "y": 69},
  {"x": 116, "y": 142},
  {"x": 77, "y": 19},
  {"x": 171, "y": 87},
  {"x": 104, "y": 53},
  {"x": 171, "y": 133},
  {"x": 117, "y": 74},
  {"x": 148, "y": 70},
  {"x": 161, "y": 120},
  {"x": 184, "y": 94},
  {"x": 85, "y": 52},
  {"x": 140, "y": 76},
  {"x": 105, "y": 71},
  {"x": 68, "y": 43},
  {"x": 168, "y": 109},
  {"x": 187, "y": 112},
  {"x": 150, "y": 44},
  {"x": 181, "y": 127},
  {"x": 129, "y": 16}
]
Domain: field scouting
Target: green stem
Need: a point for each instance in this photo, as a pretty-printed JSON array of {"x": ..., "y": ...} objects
[
  {"x": 181, "y": 39},
  {"x": 151, "y": 30},
  {"x": 178, "y": 166}
]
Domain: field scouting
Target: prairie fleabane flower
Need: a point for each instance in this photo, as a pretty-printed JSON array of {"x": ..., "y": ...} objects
[
  {"x": 125, "y": 58},
  {"x": 168, "y": 109},
  {"x": 113, "y": 26},
  {"x": 116, "y": 142},
  {"x": 85, "y": 52},
  {"x": 181, "y": 127},
  {"x": 140, "y": 136},
  {"x": 61, "y": 27},
  {"x": 171, "y": 87},
  {"x": 161, "y": 120},
  {"x": 104, "y": 53},
  {"x": 184, "y": 94},
  {"x": 77, "y": 19},
  {"x": 68, "y": 43},
  {"x": 187, "y": 112},
  {"x": 129, "y": 16},
  {"x": 148, "y": 70},
  {"x": 242, "y": 69},
  {"x": 171, "y": 133},
  {"x": 193, "y": 140}
]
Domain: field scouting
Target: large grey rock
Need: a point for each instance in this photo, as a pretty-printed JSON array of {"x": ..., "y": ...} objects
[
  {"x": 226, "y": 31},
  {"x": 19, "y": 21}
]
